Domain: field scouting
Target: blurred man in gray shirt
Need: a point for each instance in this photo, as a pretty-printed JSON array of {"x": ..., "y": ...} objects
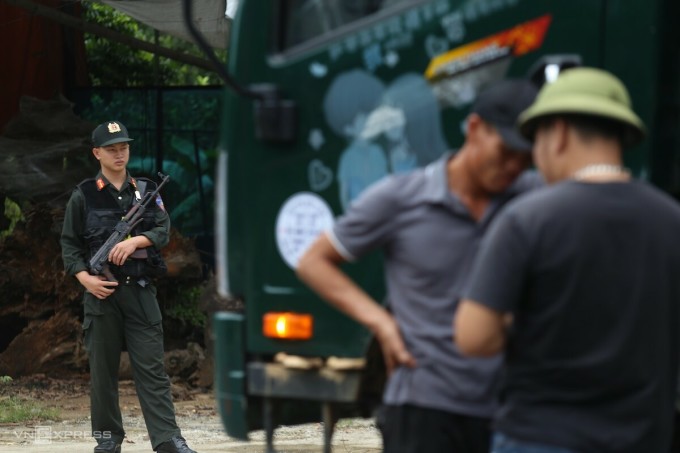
[{"x": 429, "y": 223}]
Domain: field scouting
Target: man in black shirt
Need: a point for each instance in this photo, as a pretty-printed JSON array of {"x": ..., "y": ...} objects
[{"x": 578, "y": 283}]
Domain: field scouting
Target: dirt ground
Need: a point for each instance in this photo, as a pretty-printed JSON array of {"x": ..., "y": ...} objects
[{"x": 196, "y": 416}]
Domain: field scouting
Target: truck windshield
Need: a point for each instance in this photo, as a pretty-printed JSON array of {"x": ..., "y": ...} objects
[{"x": 307, "y": 19}]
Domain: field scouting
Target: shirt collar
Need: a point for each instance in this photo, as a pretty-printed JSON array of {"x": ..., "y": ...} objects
[
  {"x": 436, "y": 180},
  {"x": 103, "y": 182}
]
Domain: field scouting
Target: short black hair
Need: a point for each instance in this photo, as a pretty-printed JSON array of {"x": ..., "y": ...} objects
[{"x": 590, "y": 126}]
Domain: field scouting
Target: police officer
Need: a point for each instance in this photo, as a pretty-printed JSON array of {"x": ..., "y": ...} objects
[{"x": 122, "y": 312}]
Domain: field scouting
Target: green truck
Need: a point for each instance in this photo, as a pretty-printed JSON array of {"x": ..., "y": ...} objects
[{"x": 326, "y": 97}]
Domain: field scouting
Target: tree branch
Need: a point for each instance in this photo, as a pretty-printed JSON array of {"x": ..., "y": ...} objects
[{"x": 87, "y": 27}]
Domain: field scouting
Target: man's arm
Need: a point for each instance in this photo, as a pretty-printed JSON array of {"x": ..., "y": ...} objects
[
  {"x": 319, "y": 268},
  {"x": 124, "y": 249},
  {"x": 479, "y": 330},
  {"x": 158, "y": 236},
  {"x": 496, "y": 284},
  {"x": 73, "y": 248}
]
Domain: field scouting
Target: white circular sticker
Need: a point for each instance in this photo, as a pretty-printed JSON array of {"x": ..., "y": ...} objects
[{"x": 301, "y": 219}]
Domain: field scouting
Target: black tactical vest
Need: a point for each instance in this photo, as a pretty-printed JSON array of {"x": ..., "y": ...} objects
[{"x": 102, "y": 213}]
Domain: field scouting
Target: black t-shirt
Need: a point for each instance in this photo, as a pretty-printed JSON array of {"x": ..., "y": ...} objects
[{"x": 592, "y": 275}]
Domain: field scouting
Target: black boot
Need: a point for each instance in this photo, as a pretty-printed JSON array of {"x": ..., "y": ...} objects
[
  {"x": 107, "y": 446},
  {"x": 175, "y": 445}
]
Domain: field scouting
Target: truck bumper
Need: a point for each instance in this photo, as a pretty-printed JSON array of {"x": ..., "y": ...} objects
[
  {"x": 262, "y": 384},
  {"x": 323, "y": 384}
]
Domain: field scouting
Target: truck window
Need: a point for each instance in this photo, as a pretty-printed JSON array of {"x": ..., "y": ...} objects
[{"x": 307, "y": 19}]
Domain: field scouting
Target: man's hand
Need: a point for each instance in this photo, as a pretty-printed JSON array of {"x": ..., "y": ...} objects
[
  {"x": 392, "y": 344},
  {"x": 122, "y": 251},
  {"x": 96, "y": 284},
  {"x": 319, "y": 268}
]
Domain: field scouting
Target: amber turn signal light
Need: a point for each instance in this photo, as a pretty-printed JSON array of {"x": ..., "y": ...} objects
[{"x": 287, "y": 326}]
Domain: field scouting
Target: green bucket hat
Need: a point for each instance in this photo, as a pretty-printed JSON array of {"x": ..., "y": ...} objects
[{"x": 584, "y": 91}]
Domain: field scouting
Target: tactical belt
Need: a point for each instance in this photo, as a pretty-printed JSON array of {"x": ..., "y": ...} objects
[{"x": 127, "y": 280}]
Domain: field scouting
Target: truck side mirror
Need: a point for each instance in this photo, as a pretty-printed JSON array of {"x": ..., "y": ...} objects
[
  {"x": 548, "y": 67},
  {"x": 275, "y": 118}
]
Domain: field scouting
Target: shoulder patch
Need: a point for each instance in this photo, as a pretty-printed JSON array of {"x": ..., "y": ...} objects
[{"x": 159, "y": 203}]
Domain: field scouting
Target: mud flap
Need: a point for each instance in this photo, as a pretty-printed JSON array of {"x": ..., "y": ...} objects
[{"x": 230, "y": 373}]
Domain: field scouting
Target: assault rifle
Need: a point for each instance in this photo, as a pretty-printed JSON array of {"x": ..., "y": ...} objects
[{"x": 99, "y": 263}]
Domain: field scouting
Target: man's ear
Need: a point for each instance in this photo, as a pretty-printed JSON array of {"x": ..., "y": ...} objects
[
  {"x": 95, "y": 152},
  {"x": 472, "y": 124},
  {"x": 561, "y": 135}
]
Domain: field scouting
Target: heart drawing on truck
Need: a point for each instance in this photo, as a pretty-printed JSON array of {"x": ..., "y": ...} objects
[{"x": 319, "y": 175}]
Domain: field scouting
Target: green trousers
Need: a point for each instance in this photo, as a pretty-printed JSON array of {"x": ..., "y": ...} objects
[{"x": 129, "y": 317}]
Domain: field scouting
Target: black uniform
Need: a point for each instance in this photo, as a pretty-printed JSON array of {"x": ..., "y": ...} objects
[{"x": 130, "y": 316}]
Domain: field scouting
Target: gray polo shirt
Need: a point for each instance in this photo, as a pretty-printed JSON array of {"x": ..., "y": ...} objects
[{"x": 429, "y": 241}]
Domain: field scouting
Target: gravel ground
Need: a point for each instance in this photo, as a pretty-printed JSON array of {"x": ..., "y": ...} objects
[
  {"x": 196, "y": 416},
  {"x": 204, "y": 434}
]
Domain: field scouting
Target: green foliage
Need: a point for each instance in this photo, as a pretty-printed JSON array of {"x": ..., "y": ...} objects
[
  {"x": 187, "y": 208},
  {"x": 193, "y": 109},
  {"x": 16, "y": 410},
  {"x": 118, "y": 65},
  {"x": 186, "y": 309},
  {"x": 13, "y": 213},
  {"x": 5, "y": 380}
]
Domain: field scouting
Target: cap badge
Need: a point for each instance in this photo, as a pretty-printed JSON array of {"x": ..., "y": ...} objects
[{"x": 113, "y": 128}]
